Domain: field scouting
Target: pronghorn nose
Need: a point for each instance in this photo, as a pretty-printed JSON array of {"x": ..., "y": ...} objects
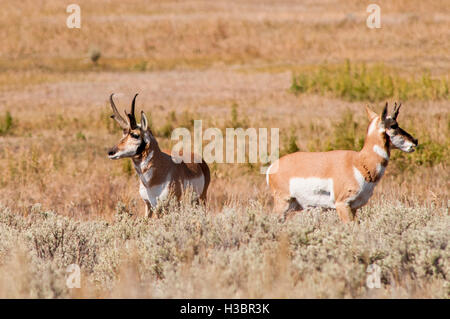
[
  {"x": 112, "y": 151},
  {"x": 415, "y": 141}
]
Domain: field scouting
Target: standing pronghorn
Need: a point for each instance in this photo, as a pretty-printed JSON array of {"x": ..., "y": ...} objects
[
  {"x": 159, "y": 175},
  {"x": 343, "y": 180}
]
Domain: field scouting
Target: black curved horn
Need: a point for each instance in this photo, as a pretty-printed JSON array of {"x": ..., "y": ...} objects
[{"x": 132, "y": 116}]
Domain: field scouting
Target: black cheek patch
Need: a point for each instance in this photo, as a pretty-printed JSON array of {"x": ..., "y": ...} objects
[{"x": 141, "y": 147}]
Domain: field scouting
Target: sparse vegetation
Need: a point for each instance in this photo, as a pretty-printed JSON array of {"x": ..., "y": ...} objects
[
  {"x": 6, "y": 124},
  {"x": 236, "y": 120},
  {"x": 291, "y": 146},
  {"x": 185, "y": 120},
  {"x": 429, "y": 153},
  {"x": 80, "y": 136},
  {"x": 348, "y": 134},
  {"x": 94, "y": 55},
  {"x": 241, "y": 252},
  {"x": 376, "y": 83}
]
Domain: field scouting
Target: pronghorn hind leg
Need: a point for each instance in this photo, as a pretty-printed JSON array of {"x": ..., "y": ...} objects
[
  {"x": 280, "y": 204},
  {"x": 293, "y": 207},
  {"x": 286, "y": 207},
  {"x": 345, "y": 212},
  {"x": 200, "y": 201},
  {"x": 354, "y": 215}
]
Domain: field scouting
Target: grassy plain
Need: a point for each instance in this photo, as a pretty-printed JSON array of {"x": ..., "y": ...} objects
[{"x": 255, "y": 63}]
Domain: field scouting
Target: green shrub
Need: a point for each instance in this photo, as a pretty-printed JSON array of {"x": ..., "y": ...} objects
[
  {"x": 127, "y": 167},
  {"x": 6, "y": 124},
  {"x": 428, "y": 153},
  {"x": 347, "y": 134},
  {"x": 80, "y": 136},
  {"x": 140, "y": 66},
  {"x": 166, "y": 130},
  {"x": 186, "y": 120},
  {"x": 291, "y": 146},
  {"x": 363, "y": 83},
  {"x": 234, "y": 116},
  {"x": 105, "y": 118},
  {"x": 94, "y": 55}
]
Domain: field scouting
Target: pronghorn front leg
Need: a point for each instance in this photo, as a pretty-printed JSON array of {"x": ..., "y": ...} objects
[
  {"x": 346, "y": 213},
  {"x": 148, "y": 209}
]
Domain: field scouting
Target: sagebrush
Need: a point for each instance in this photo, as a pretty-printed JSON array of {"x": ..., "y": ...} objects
[{"x": 238, "y": 253}]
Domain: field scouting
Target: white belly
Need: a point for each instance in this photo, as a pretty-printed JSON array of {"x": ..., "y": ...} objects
[
  {"x": 155, "y": 193},
  {"x": 312, "y": 191}
]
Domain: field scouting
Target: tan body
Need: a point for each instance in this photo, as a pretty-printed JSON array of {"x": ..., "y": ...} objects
[
  {"x": 343, "y": 180},
  {"x": 160, "y": 177}
]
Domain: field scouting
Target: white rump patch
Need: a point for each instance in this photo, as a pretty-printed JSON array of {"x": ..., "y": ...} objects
[
  {"x": 365, "y": 190},
  {"x": 381, "y": 152},
  {"x": 312, "y": 191}
]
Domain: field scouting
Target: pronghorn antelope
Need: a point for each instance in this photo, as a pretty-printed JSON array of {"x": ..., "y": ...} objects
[
  {"x": 159, "y": 175},
  {"x": 343, "y": 180}
]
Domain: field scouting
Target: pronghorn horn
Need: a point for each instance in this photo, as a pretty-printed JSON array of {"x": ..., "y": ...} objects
[
  {"x": 116, "y": 114},
  {"x": 396, "y": 110},
  {"x": 384, "y": 113},
  {"x": 131, "y": 116}
]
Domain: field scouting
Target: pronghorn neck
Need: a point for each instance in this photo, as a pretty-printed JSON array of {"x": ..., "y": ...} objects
[
  {"x": 147, "y": 159},
  {"x": 374, "y": 156}
]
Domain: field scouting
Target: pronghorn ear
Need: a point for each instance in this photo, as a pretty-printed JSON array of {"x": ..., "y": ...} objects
[
  {"x": 370, "y": 114},
  {"x": 144, "y": 122}
]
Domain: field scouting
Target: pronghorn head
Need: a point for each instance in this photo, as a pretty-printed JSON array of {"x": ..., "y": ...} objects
[
  {"x": 387, "y": 124},
  {"x": 135, "y": 136}
]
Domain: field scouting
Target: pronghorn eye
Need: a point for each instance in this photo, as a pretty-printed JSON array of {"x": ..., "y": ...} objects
[
  {"x": 134, "y": 135},
  {"x": 394, "y": 126}
]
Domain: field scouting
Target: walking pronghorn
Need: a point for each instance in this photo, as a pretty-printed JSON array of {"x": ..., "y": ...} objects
[
  {"x": 159, "y": 175},
  {"x": 343, "y": 180}
]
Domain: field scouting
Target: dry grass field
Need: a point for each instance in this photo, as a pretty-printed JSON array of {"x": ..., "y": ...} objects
[{"x": 305, "y": 67}]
